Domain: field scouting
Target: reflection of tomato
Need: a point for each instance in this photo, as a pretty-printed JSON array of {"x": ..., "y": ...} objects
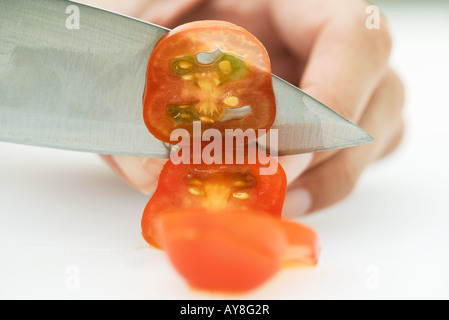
[
  {"x": 223, "y": 251},
  {"x": 208, "y": 71},
  {"x": 236, "y": 187}
]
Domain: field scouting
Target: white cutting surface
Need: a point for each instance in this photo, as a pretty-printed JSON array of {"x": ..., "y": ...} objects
[{"x": 69, "y": 228}]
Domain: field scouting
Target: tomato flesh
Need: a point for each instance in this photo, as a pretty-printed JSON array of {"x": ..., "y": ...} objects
[
  {"x": 212, "y": 72},
  {"x": 213, "y": 98}
]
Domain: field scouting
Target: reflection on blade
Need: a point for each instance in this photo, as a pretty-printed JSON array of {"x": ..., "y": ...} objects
[
  {"x": 306, "y": 125},
  {"x": 76, "y": 89}
]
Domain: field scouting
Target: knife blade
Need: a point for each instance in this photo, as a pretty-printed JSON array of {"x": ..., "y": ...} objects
[{"x": 81, "y": 88}]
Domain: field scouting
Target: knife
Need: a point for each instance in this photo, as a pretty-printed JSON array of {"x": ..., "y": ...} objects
[{"x": 81, "y": 88}]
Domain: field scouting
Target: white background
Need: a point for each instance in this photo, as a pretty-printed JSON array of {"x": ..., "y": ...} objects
[{"x": 70, "y": 229}]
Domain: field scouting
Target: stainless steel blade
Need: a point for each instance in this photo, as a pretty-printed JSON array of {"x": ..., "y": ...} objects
[
  {"x": 306, "y": 125},
  {"x": 81, "y": 89},
  {"x": 77, "y": 89}
]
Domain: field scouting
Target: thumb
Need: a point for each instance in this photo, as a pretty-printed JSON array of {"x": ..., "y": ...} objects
[{"x": 140, "y": 173}]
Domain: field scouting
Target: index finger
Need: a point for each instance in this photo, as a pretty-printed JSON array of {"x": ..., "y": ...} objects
[{"x": 344, "y": 60}]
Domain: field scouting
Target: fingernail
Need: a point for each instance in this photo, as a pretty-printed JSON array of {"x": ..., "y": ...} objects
[
  {"x": 140, "y": 173},
  {"x": 297, "y": 203}
]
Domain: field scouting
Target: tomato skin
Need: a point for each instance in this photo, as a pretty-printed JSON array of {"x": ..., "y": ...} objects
[
  {"x": 267, "y": 195},
  {"x": 223, "y": 252},
  {"x": 164, "y": 88}
]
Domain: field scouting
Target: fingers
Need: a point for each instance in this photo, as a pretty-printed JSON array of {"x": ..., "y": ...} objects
[
  {"x": 335, "y": 178},
  {"x": 396, "y": 141},
  {"x": 344, "y": 60},
  {"x": 166, "y": 12},
  {"x": 159, "y": 12},
  {"x": 140, "y": 173}
]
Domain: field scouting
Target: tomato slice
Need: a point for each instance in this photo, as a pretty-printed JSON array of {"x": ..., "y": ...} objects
[
  {"x": 213, "y": 72},
  {"x": 215, "y": 188},
  {"x": 227, "y": 251}
]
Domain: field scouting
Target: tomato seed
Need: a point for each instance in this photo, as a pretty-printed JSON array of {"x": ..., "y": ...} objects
[
  {"x": 240, "y": 195},
  {"x": 185, "y": 65},
  {"x": 231, "y": 101},
  {"x": 225, "y": 67},
  {"x": 239, "y": 184},
  {"x": 195, "y": 191},
  {"x": 206, "y": 120}
]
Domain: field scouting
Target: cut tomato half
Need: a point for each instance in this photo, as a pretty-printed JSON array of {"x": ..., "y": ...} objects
[
  {"x": 213, "y": 72},
  {"x": 215, "y": 188}
]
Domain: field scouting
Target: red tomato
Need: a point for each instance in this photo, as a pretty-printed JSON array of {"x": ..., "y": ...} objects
[
  {"x": 208, "y": 71},
  {"x": 222, "y": 251},
  {"x": 216, "y": 187}
]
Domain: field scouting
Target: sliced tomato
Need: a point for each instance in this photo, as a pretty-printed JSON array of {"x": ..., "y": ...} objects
[
  {"x": 220, "y": 224},
  {"x": 303, "y": 245},
  {"x": 215, "y": 188},
  {"x": 222, "y": 251},
  {"x": 209, "y": 71}
]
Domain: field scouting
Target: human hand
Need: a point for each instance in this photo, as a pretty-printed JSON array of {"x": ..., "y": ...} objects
[{"x": 324, "y": 47}]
